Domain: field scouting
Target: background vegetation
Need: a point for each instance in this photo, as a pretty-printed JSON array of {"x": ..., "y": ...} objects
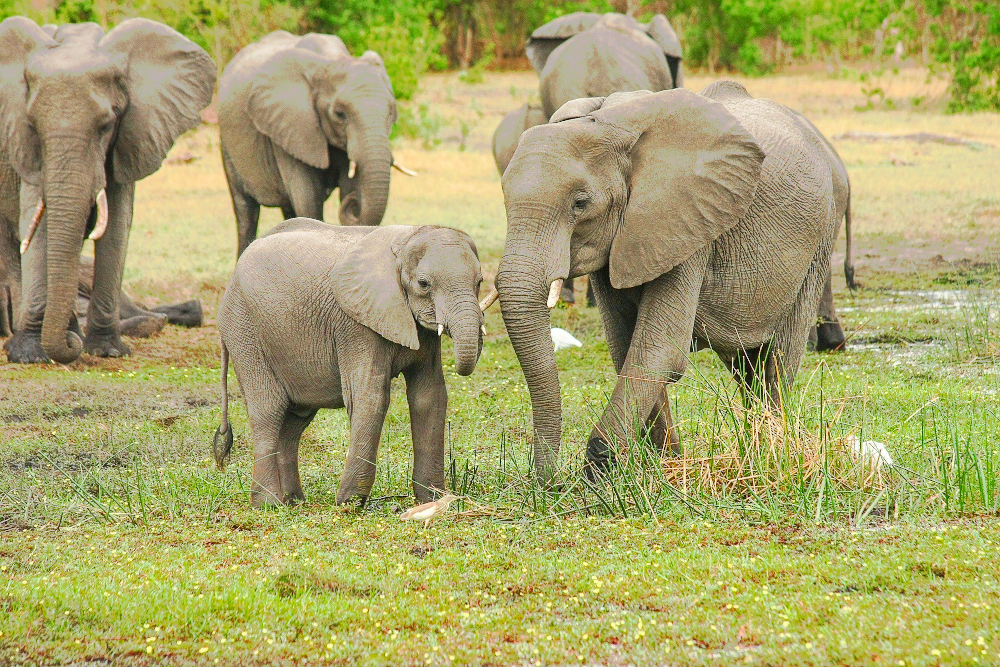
[{"x": 959, "y": 38}]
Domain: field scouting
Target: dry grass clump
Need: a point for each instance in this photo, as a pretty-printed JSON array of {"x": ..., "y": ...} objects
[{"x": 759, "y": 453}]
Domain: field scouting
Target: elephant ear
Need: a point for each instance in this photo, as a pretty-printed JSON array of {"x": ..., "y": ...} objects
[
  {"x": 168, "y": 79},
  {"x": 545, "y": 39},
  {"x": 577, "y": 109},
  {"x": 19, "y": 36},
  {"x": 694, "y": 171},
  {"x": 661, "y": 32},
  {"x": 282, "y": 108},
  {"x": 365, "y": 282}
]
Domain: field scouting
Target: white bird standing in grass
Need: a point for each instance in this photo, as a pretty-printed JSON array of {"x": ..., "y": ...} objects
[
  {"x": 428, "y": 511},
  {"x": 872, "y": 450}
]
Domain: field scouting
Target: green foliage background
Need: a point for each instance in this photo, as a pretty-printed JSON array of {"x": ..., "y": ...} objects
[{"x": 961, "y": 37}]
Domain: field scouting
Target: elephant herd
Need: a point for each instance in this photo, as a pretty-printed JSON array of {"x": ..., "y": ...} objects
[{"x": 703, "y": 220}]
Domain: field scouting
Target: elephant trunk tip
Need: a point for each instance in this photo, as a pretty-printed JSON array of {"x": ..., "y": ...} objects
[{"x": 66, "y": 353}]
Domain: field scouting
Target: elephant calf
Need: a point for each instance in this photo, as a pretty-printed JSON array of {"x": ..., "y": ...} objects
[{"x": 320, "y": 316}]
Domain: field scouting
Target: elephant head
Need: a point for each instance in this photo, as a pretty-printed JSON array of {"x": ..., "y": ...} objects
[
  {"x": 399, "y": 277},
  {"x": 312, "y": 97},
  {"x": 549, "y": 37},
  {"x": 633, "y": 184},
  {"x": 81, "y": 109}
]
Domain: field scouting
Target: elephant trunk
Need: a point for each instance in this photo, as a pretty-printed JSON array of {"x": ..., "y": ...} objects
[
  {"x": 524, "y": 288},
  {"x": 373, "y": 155},
  {"x": 466, "y": 330},
  {"x": 69, "y": 201}
]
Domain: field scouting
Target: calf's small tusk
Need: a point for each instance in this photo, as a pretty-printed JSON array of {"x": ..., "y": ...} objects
[
  {"x": 483, "y": 329},
  {"x": 102, "y": 216},
  {"x": 489, "y": 300},
  {"x": 440, "y": 330},
  {"x": 554, "y": 291},
  {"x": 408, "y": 172},
  {"x": 353, "y": 169},
  {"x": 26, "y": 243}
]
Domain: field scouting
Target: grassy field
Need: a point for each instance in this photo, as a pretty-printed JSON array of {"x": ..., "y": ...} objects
[{"x": 767, "y": 543}]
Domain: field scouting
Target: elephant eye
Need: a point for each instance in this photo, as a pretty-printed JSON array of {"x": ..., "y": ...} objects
[
  {"x": 341, "y": 116},
  {"x": 424, "y": 283},
  {"x": 579, "y": 204}
]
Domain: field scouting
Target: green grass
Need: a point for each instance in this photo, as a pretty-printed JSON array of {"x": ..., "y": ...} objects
[{"x": 768, "y": 543}]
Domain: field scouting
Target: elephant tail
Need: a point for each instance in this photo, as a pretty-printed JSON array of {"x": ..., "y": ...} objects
[
  {"x": 848, "y": 261},
  {"x": 223, "y": 442}
]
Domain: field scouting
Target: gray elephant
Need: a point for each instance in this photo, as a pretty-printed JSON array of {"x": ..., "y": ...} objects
[
  {"x": 592, "y": 55},
  {"x": 510, "y": 130},
  {"x": 698, "y": 220},
  {"x": 322, "y": 316},
  {"x": 298, "y": 118},
  {"x": 827, "y": 335},
  {"x": 86, "y": 115}
]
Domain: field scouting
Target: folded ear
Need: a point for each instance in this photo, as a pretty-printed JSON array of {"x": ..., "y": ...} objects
[
  {"x": 169, "y": 80},
  {"x": 365, "y": 282},
  {"x": 694, "y": 171},
  {"x": 19, "y": 36},
  {"x": 661, "y": 32},
  {"x": 576, "y": 109},
  {"x": 547, "y": 38},
  {"x": 282, "y": 108}
]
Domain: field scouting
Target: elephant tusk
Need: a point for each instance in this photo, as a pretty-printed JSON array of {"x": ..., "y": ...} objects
[
  {"x": 554, "y": 291},
  {"x": 490, "y": 299},
  {"x": 26, "y": 243},
  {"x": 440, "y": 330},
  {"x": 102, "y": 216},
  {"x": 353, "y": 169},
  {"x": 482, "y": 328},
  {"x": 408, "y": 172}
]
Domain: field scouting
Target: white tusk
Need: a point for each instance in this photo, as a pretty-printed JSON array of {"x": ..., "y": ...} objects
[
  {"x": 489, "y": 300},
  {"x": 554, "y": 291},
  {"x": 26, "y": 243},
  {"x": 102, "y": 216},
  {"x": 440, "y": 330},
  {"x": 353, "y": 169},
  {"x": 483, "y": 329},
  {"x": 408, "y": 172}
]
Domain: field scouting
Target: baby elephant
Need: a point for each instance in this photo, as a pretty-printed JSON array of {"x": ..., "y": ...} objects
[{"x": 323, "y": 316}]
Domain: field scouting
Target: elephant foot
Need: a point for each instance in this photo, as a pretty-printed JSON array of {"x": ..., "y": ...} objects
[
  {"x": 143, "y": 326},
  {"x": 349, "y": 493},
  {"x": 25, "y": 347},
  {"x": 600, "y": 459},
  {"x": 830, "y": 337},
  {"x": 105, "y": 345},
  {"x": 187, "y": 314}
]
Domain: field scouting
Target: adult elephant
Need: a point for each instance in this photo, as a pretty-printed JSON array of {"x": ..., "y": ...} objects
[
  {"x": 593, "y": 55},
  {"x": 698, "y": 220},
  {"x": 299, "y": 117},
  {"x": 86, "y": 115},
  {"x": 827, "y": 335}
]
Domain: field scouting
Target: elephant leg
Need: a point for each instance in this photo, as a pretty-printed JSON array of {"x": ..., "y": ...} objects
[
  {"x": 427, "y": 397},
  {"x": 829, "y": 334},
  {"x": 657, "y": 356},
  {"x": 304, "y": 185},
  {"x": 103, "y": 326},
  {"x": 619, "y": 310},
  {"x": 289, "y": 435},
  {"x": 755, "y": 370},
  {"x": 366, "y": 397},
  {"x": 267, "y": 406},
  {"x": 246, "y": 208},
  {"x": 137, "y": 322},
  {"x": 591, "y": 297},
  {"x": 287, "y": 211},
  {"x": 25, "y": 346},
  {"x": 567, "y": 292},
  {"x": 10, "y": 275}
]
